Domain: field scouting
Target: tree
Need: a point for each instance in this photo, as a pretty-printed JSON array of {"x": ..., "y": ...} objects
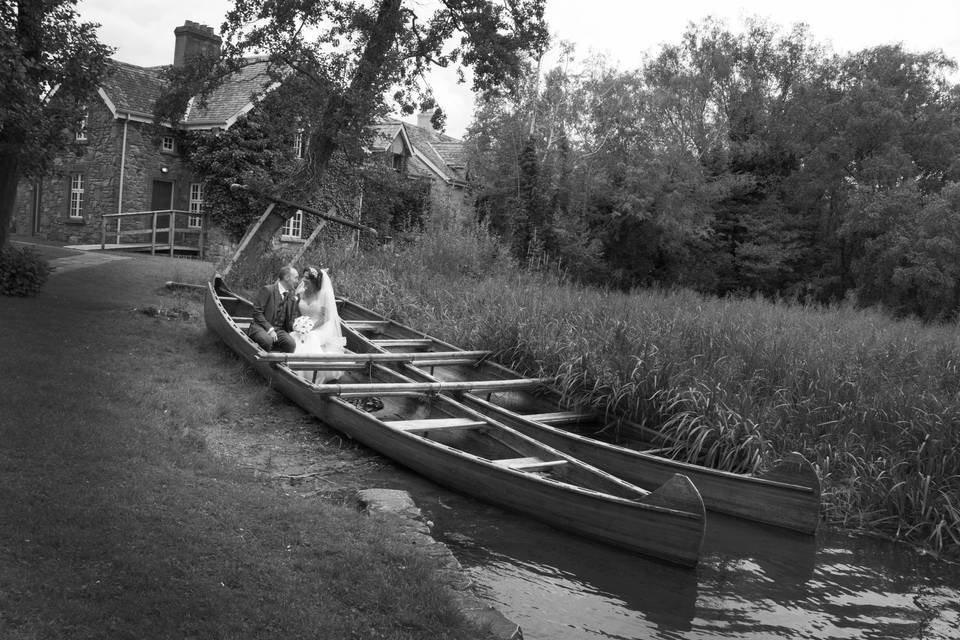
[
  {"x": 347, "y": 55},
  {"x": 50, "y": 67}
]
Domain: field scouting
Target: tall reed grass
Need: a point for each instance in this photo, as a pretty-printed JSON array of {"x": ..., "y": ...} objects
[{"x": 872, "y": 401}]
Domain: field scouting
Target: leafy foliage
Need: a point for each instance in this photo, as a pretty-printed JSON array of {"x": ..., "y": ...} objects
[
  {"x": 23, "y": 272},
  {"x": 50, "y": 66},
  {"x": 751, "y": 161},
  {"x": 347, "y": 57}
]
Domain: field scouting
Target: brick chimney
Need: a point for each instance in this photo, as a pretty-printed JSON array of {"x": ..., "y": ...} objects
[
  {"x": 194, "y": 38},
  {"x": 423, "y": 119}
]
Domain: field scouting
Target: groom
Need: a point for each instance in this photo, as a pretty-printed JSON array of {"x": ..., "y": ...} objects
[{"x": 274, "y": 309}]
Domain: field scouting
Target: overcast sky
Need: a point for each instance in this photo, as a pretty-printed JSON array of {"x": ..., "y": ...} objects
[{"x": 626, "y": 30}]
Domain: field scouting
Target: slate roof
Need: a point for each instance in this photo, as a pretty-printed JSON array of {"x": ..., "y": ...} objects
[
  {"x": 442, "y": 151},
  {"x": 134, "y": 90},
  {"x": 233, "y": 96}
]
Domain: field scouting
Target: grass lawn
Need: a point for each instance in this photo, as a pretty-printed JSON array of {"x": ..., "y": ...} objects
[{"x": 118, "y": 521}]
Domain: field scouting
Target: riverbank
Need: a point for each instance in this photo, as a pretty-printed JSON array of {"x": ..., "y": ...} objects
[{"x": 152, "y": 487}]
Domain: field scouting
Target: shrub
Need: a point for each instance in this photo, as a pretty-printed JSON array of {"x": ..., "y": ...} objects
[{"x": 23, "y": 272}]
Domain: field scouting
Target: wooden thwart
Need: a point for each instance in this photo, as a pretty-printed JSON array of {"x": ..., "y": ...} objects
[
  {"x": 417, "y": 426},
  {"x": 376, "y": 326},
  {"x": 413, "y": 388},
  {"x": 528, "y": 464},
  {"x": 408, "y": 342}
]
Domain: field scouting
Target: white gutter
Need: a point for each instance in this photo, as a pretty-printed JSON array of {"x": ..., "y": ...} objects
[{"x": 123, "y": 162}]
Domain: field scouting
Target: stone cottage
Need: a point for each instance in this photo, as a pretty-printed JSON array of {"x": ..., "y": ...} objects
[
  {"x": 432, "y": 156},
  {"x": 130, "y": 165}
]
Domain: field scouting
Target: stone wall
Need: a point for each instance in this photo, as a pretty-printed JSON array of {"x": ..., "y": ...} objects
[{"x": 100, "y": 166}]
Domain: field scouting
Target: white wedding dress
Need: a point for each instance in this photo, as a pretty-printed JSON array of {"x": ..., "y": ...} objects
[{"x": 326, "y": 335}]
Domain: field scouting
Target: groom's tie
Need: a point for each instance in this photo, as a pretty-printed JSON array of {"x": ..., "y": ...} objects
[{"x": 284, "y": 309}]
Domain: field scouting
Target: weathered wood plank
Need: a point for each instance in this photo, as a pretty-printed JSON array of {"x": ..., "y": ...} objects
[
  {"x": 374, "y": 357},
  {"x": 404, "y": 342},
  {"x": 429, "y": 387},
  {"x": 417, "y": 426},
  {"x": 528, "y": 464},
  {"x": 559, "y": 417}
]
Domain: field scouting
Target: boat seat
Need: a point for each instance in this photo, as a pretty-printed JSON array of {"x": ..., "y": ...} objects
[
  {"x": 376, "y": 326},
  {"x": 227, "y": 298},
  {"x": 528, "y": 464},
  {"x": 419, "y": 426},
  {"x": 439, "y": 362},
  {"x": 408, "y": 342},
  {"x": 560, "y": 417}
]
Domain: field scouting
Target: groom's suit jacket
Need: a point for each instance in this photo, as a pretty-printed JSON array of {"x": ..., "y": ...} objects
[{"x": 270, "y": 310}]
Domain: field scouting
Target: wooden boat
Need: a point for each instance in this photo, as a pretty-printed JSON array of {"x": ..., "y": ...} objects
[
  {"x": 788, "y": 495},
  {"x": 417, "y": 425}
]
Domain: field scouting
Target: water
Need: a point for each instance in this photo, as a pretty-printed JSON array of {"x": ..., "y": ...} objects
[{"x": 753, "y": 582}]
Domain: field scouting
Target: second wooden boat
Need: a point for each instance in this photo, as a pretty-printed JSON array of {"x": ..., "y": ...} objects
[{"x": 787, "y": 495}]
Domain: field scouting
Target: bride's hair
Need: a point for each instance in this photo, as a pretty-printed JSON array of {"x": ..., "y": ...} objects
[{"x": 312, "y": 275}]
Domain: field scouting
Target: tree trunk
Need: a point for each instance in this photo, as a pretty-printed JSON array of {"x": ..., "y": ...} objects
[
  {"x": 351, "y": 109},
  {"x": 9, "y": 177}
]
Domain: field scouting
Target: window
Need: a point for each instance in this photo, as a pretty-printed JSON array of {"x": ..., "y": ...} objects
[
  {"x": 76, "y": 196},
  {"x": 167, "y": 144},
  {"x": 293, "y": 227},
  {"x": 299, "y": 144},
  {"x": 196, "y": 205},
  {"x": 81, "y": 133}
]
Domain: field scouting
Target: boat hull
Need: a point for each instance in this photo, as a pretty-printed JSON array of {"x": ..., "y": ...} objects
[
  {"x": 667, "y": 524},
  {"x": 787, "y": 496}
]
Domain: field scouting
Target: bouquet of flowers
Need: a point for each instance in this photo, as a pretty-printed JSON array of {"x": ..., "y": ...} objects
[{"x": 303, "y": 325}]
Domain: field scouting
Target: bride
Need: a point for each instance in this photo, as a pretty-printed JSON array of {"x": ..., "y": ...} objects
[{"x": 317, "y": 330}]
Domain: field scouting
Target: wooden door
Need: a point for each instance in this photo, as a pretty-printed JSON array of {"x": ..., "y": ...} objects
[{"x": 161, "y": 199}]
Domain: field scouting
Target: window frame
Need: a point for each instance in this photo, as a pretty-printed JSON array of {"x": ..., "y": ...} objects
[
  {"x": 195, "y": 206},
  {"x": 80, "y": 135},
  {"x": 293, "y": 223},
  {"x": 163, "y": 144},
  {"x": 75, "y": 203},
  {"x": 299, "y": 145}
]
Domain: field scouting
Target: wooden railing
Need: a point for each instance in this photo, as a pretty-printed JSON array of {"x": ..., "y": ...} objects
[{"x": 156, "y": 238}]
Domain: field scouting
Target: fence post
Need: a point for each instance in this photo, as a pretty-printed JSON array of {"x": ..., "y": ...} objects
[
  {"x": 103, "y": 233},
  {"x": 173, "y": 224},
  {"x": 203, "y": 226},
  {"x": 153, "y": 236}
]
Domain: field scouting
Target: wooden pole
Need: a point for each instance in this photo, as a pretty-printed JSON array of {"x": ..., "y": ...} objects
[
  {"x": 362, "y": 389},
  {"x": 173, "y": 225},
  {"x": 252, "y": 231},
  {"x": 153, "y": 235},
  {"x": 203, "y": 226},
  {"x": 302, "y": 207}
]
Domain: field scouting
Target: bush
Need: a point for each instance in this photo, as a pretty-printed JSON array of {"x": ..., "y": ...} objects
[{"x": 23, "y": 272}]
